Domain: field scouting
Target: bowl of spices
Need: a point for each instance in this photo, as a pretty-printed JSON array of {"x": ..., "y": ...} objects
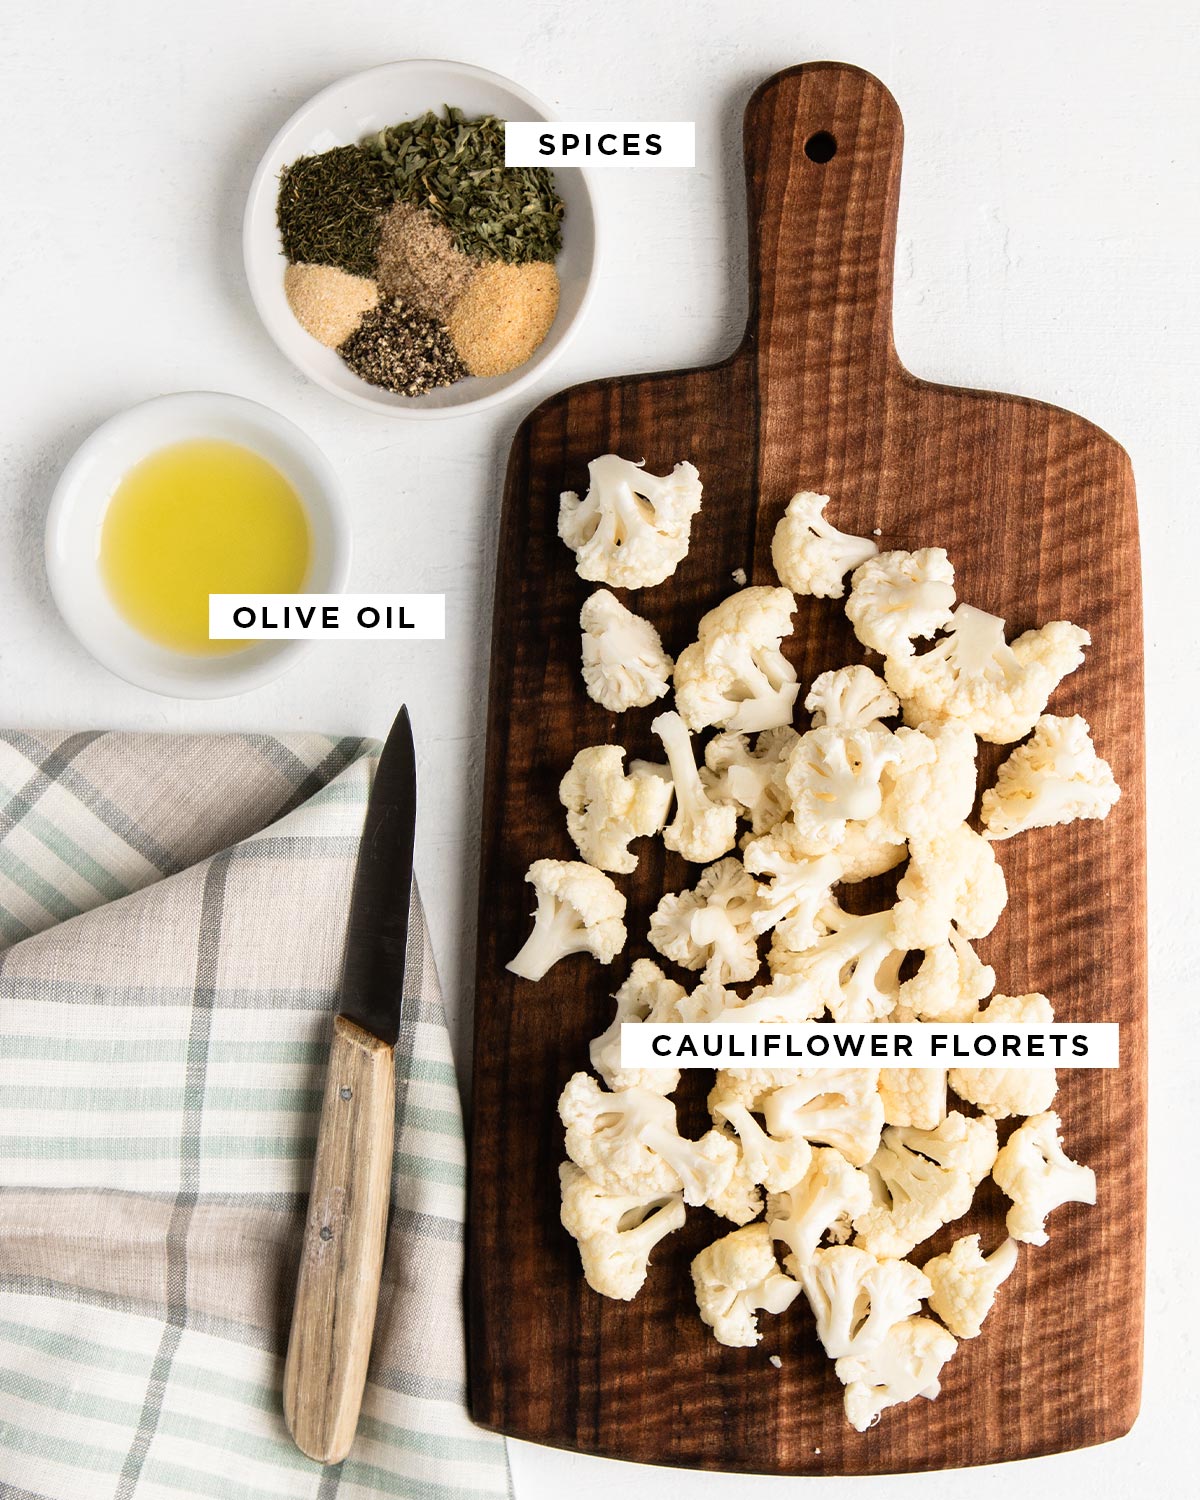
[
  {"x": 177, "y": 498},
  {"x": 396, "y": 260}
]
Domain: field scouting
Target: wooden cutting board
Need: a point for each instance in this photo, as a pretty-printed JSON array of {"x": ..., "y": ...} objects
[{"x": 1036, "y": 508}]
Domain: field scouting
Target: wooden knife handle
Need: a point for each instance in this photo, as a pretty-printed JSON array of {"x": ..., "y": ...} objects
[{"x": 334, "y": 1317}]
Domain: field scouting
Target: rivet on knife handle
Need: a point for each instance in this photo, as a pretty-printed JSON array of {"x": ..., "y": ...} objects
[{"x": 334, "y": 1317}]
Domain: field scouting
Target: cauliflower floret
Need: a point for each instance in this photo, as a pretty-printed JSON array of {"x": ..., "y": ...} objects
[
  {"x": 900, "y": 595},
  {"x": 628, "y": 1143},
  {"x": 931, "y": 789},
  {"x": 855, "y": 968},
  {"x": 799, "y": 885},
  {"x": 710, "y": 927},
  {"x": 964, "y": 1283},
  {"x": 922, "y": 1179},
  {"x": 1055, "y": 777},
  {"x": 785, "y": 1000},
  {"x": 948, "y": 986},
  {"x": 709, "y": 1001},
  {"x": 812, "y": 556},
  {"x": 615, "y": 1232},
  {"x": 702, "y": 830},
  {"x": 777, "y": 1164},
  {"x": 851, "y": 698},
  {"x": 906, "y": 1364},
  {"x": 631, "y": 529},
  {"x": 838, "y": 1108},
  {"x": 862, "y": 853},
  {"x": 972, "y": 676},
  {"x": 747, "y": 1086},
  {"x": 751, "y": 779},
  {"x": 735, "y": 674},
  {"x": 735, "y": 1278},
  {"x": 830, "y": 1195},
  {"x": 952, "y": 881},
  {"x": 606, "y": 808},
  {"x": 1001, "y": 1092},
  {"x": 833, "y": 777},
  {"x": 913, "y": 1096},
  {"x": 624, "y": 664},
  {"x": 579, "y": 910},
  {"x": 856, "y": 1299},
  {"x": 1037, "y": 1174},
  {"x": 741, "y": 1199},
  {"x": 647, "y": 995}
]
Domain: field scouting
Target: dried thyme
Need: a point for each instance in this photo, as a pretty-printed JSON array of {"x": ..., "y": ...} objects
[
  {"x": 330, "y": 207},
  {"x": 454, "y": 167},
  {"x": 402, "y": 350}
]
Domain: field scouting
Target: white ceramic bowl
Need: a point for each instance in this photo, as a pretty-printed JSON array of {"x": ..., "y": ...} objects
[
  {"x": 76, "y": 516},
  {"x": 344, "y": 113}
]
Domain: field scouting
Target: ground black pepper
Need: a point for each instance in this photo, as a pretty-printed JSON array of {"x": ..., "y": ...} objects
[{"x": 402, "y": 350}]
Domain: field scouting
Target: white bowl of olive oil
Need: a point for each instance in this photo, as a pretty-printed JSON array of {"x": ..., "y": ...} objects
[{"x": 184, "y": 496}]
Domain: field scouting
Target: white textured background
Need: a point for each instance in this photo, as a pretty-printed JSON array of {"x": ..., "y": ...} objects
[{"x": 1048, "y": 235}]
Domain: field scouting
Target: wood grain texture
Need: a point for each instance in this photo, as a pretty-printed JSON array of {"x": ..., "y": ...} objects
[
  {"x": 333, "y": 1320},
  {"x": 1036, "y": 508}
]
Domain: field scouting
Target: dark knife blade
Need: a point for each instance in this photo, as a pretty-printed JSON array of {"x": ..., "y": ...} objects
[{"x": 377, "y": 936}]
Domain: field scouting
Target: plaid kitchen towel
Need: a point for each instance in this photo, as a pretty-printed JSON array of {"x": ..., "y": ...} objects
[{"x": 172, "y": 912}]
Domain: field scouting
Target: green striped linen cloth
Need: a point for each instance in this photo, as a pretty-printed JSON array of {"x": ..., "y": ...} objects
[{"x": 172, "y": 912}]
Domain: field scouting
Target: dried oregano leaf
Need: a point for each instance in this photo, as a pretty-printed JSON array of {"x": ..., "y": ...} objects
[{"x": 454, "y": 167}]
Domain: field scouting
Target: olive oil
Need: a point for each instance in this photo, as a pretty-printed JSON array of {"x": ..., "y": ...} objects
[{"x": 197, "y": 518}]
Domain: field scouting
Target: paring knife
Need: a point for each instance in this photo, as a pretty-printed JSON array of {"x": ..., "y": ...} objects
[{"x": 342, "y": 1258}]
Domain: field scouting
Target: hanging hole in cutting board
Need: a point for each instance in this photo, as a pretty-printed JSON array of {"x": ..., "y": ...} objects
[{"x": 820, "y": 147}]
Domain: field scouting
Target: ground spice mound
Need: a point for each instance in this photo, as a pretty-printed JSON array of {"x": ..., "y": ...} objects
[
  {"x": 402, "y": 350},
  {"x": 420, "y": 264},
  {"x": 327, "y": 302},
  {"x": 330, "y": 207},
  {"x": 504, "y": 315}
]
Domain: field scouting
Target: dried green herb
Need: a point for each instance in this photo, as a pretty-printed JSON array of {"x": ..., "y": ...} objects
[
  {"x": 401, "y": 349},
  {"x": 454, "y": 167},
  {"x": 330, "y": 208}
]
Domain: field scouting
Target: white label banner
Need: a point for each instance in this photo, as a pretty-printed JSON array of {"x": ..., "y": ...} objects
[
  {"x": 600, "y": 143},
  {"x": 326, "y": 617},
  {"x": 878, "y": 1044}
]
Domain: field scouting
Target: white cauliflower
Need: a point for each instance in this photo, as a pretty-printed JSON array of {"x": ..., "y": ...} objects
[
  {"x": 838, "y": 1108},
  {"x": 922, "y": 1179},
  {"x": 799, "y": 885},
  {"x": 628, "y": 1143},
  {"x": 812, "y": 556},
  {"x": 906, "y": 1364},
  {"x": 702, "y": 830},
  {"x": 829, "y": 1196},
  {"x": 1055, "y": 777},
  {"x": 624, "y": 664},
  {"x": 579, "y": 910},
  {"x": 851, "y": 698},
  {"x": 1001, "y": 1092},
  {"x": 606, "y": 808},
  {"x": 863, "y": 852},
  {"x": 710, "y": 927},
  {"x": 709, "y": 1001},
  {"x": 857, "y": 1299},
  {"x": 948, "y": 986},
  {"x": 898, "y": 596},
  {"x": 751, "y": 779},
  {"x": 748, "y": 1086},
  {"x": 854, "y": 968},
  {"x": 741, "y": 1199},
  {"x": 931, "y": 789},
  {"x": 632, "y": 529},
  {"x": 1037, "y": 1174},
  {"x": 964, "y": 1283},
  {"x": 913, "y": 1096},
  {"x": 834, "y": 777},
  {"x": 998, "y": 691},
  {"x": 952, "y": 882},
  {"x": 778, "y": 1164},
  {"x": 736, "y": 1278},
  {"x": 647, "y": 995},
  {"x": 615, "y": 1232},
  {"x": 735, "y": 674}
]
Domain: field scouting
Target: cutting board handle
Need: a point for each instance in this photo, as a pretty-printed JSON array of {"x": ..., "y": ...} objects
[{"x": 823, "y": 143}]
